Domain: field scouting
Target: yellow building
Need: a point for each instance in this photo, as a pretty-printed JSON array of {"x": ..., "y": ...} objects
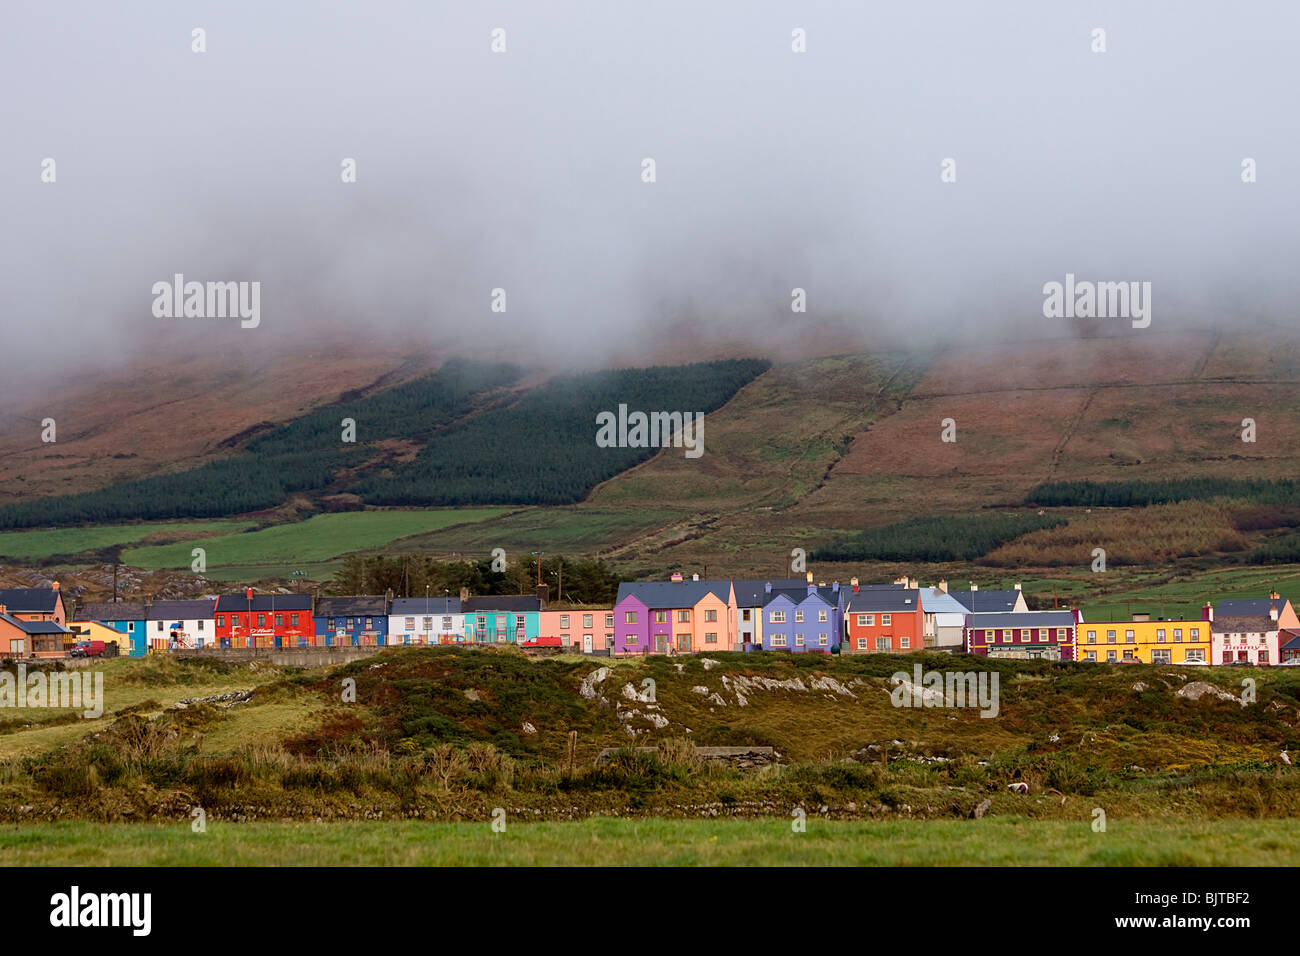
[
  {"x": 1143, "y": 641},
  {"x": 94, "y": 631}
]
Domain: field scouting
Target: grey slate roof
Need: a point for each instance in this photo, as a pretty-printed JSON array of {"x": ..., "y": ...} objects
[
  {"x": 1021, "y": 619},
  {"x": 1250, "y": 607},
  {"x": 36, "y": 627},
  {"x": 110, "y": 611},
  {"x": 986, "y": 602},
  {"x": 235, "y": 603},
  {"x": 417, "y": 606},
  {"x": 29, "y": 600},
  {"x": 1256, "y": 624},
  {"x": 672, "y": 594},
  {"x": 355, "y": 606},
  {"x": 750, "y": 592},
  {"x": 798, "y": 595},
  {"x": 182, "y": 610},
  {"x": 885, "y": 599}
]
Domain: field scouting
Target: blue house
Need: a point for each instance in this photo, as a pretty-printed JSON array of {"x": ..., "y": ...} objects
[
  {"x": 126, "y": 617},
  {"x": 359, "y": 621},
  {"x": 804, "y": 619}
]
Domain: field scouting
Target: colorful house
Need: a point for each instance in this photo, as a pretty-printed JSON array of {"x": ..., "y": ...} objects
[
  {"x": 1289, "y": 644},
  {"x": 883, "y": 621},
  {"x": 502, "y": 618},
  {"x": 181, "y": 624},
  {"x": 675, "y": 616},
  {"x": 1143, "y": 641},
  {"x": 1046, "y": 635},
  {"x": 128, "y": 618},
  {"x": 426, "y": 620},
  {"x": 35, "y": 604},
  {"x": 588, "y": 629},
  {"x": 802, "y": 620},
  {"x": 95, "y": 631},
  {"x": 249, "y": 619},
  {"x": 1248, "y": 630},
  {"x": 358, "y": 621},
  {"x": 20, "y": 637},
  {"x": 751, "y": 594}
]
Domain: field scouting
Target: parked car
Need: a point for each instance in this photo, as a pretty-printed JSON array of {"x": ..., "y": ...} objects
[{"x": 92, "y": 649}]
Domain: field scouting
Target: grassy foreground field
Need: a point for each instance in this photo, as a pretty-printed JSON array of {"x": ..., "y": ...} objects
[{"x": 614, "y": 842}]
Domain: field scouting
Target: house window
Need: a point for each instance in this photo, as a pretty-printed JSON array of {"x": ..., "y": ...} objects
[
  {"x": 629, "y": 617},
  {"x": 130, "y": 626},
  {"x": 609, "y": 620},
  {"x": 1160, "y": 655},
  {"x": 221, "y": 620},
  {"x": 428, "y": 624},
  {"x": 1042, "y": 633},
  {"x": 1110, "y": 637},
  {"x": 870, "y": 620},
  {"x": 1129, "y": 638},
  {"x": 744, "y": 615},
  {"x": 293, "y": 620},
  {"x": 1006, "y": 636},
  {"x": 200, "y": 624},
  {"x": 564, "y": 620},
  {"x": 519, "y": 622},
  {"x": 160, "y": 625},
  {"x": 1128, "y": 655},
  {"x": 710, "y": 637},
  {"x": 822, "y": 639},
  {"x": 279, "y": 621},
  {"x": 886, "y": 619},
  {"x": 1263, "y": 655},
  {"x": 683, "y": 617},
  {"x": 1160, "y": 635},
  {"x": 821, "y": 616},
  {"x": 862, "y": 643},
  {"x": 798, "y": 640},
  {"x": 777, "y": 617},
  {"x": 261, "y": 620},
  {"x": 1060, "y": 633},
  {"x": 630, "y": 639},
  {"x": 882, "y": 644},
  {"x": 1196, "y": 654},
  {"x": 446, "y": 624},
  {"x": 661, "y": 617},
  {"x": 1024, "y": 634},
  {"x": 1110, "y": 657},
  {"x": 711, "y": 615},
  {"x": 1195, "y": 634},
  {"x": 17, "y": 646},
  {"x": 778, "y": 640},
  {"x": 586, "y": 621},
  {"x": 862, "y": 620},
  {"x": 798, "y": 617},
  {"x": 564, "y": 639},
  {"x": 410, "y": 624},
  {"x": 904, "y": 642}
]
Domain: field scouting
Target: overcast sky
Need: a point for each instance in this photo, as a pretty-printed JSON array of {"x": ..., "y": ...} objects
[{"x": 522, "y": 170}]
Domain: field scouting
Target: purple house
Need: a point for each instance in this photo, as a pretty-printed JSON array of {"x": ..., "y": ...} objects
[
  {"x": 658, "y": 617},
  {"x": 804, "y": 619}
]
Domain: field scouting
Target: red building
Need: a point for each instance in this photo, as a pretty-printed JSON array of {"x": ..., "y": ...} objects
[
  {"x": 883, "y": 621},
  {"x": 265, "y": 620}
]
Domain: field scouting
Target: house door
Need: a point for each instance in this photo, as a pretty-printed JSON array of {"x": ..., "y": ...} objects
[
  {"x": 683, "y": 642},
  {"x": 586, "y": 643},
  {"x": 661, "y": 643}
]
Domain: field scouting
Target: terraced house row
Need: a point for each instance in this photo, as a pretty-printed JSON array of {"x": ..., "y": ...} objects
[{"x": 676, "y": 616}]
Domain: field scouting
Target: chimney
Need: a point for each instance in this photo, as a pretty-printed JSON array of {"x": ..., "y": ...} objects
[
  {"x": 388, "y": 595},
  {"x": 809, "y": 577},
  {"x": 1017, "y": 585},
  {"x": 835, "y": 587},
  {"x": 4, "y": 609},
  {"x": 974, "y": 586},
  {"x": 695, "y": 577},
  {"x": 464, "y": 596},
  {"x": 1272, "y": 613},
  {"x": 54, "y": 586},
  {"x": 943, "y": 586},
  {"x": 675, "y": 576},
  {"x": 767, "y": 588},
  {"x": 1207, "y": 613},
  {"x": 853, "y": 581},
  {"x": 812, "y": 588},
  {"x": 902, "y": 580},
  {"x": 912, "y": 583},
  {"x": 855, "y": 585}
]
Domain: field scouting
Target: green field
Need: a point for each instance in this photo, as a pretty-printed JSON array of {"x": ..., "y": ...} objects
[
  {"x": 619, "y": 842},
  {"x": 46, "y": 543},
  {"x": 320, "y": 538}
]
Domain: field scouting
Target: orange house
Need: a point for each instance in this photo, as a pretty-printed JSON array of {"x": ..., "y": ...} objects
[
  {"x": 20, "y": 637},
  {"x": 884, "y": 621},
  {"x": 35, "y": 604}
]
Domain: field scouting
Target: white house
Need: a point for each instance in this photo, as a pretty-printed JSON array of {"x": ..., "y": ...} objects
[
  {"x": 181, "y": 623},
  {"x": 426, "y": 620}
]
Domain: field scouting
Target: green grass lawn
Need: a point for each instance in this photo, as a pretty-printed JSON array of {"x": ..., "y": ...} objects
[
  {"x": 315, "y": 540},
  {"x": 46, "y": 543},
  {"x": 621, "y": 842}
]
